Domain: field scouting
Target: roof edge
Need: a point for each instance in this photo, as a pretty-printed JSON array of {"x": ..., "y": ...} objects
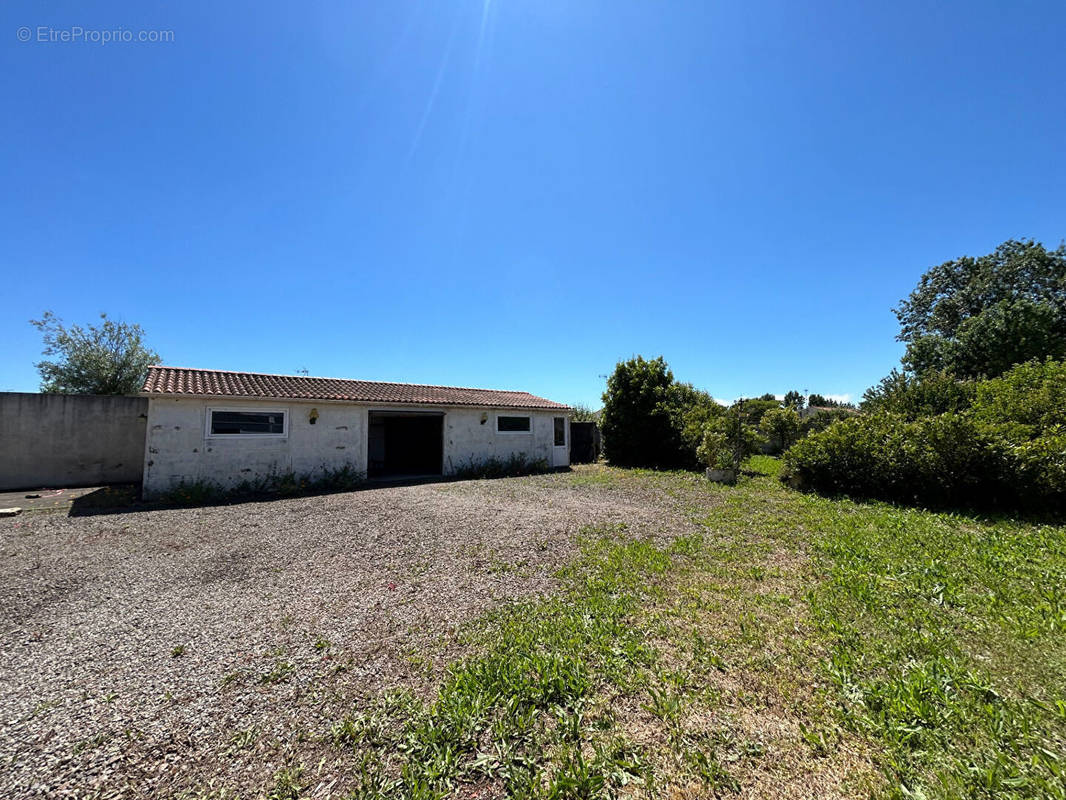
[
  {"x": 312, "y": 400},
  {"x": 328, "y": 378}
]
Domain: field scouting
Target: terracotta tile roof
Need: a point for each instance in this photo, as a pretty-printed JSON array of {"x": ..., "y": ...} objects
[{"x": 217, "y": 383}]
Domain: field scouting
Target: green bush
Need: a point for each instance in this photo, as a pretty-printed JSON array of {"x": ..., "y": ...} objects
[
  {"x": 651, "y": 420},
  {"x": 636, "y": 423},
  {"x": 940, "y": 461},
  {"x": 1032, "y": 395},
  {"x": 822, "y": 419},
  {"x": 579, "y": 412},
  {"x": 714, "y": 451},
  {"x": 691, "y": 410},
  {"x": 914, "y": 397},
  {"x": 1007, "y": 451},
  {"x": 728, "y": 440},
  {"x": 781, "y": 426}
]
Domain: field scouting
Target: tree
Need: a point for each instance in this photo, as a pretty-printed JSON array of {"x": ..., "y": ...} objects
[
  {"x": 754, "y": 409},
  {"x": 821, "y": 401},
  {"x": 977, "y": 317},
  {"x": 729, "y": 438},
  {"x": 914, "y": 397},
  {"x": 109, "y": 358},
  {"x": 781, "y": 426},
  {"x": 651, "y": 420},
  {"x": 794, "y": 400},
  {"x": 636, "y": 420},
  {"x": 582, "y": 413}
]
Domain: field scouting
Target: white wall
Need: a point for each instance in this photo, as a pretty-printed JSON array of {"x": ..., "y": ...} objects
[
  {"x": 467, "y": 441},
  {"x": 177, "y": 450}
]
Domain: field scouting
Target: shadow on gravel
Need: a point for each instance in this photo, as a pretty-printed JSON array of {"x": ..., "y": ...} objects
[{"x": 126, "y": 499}]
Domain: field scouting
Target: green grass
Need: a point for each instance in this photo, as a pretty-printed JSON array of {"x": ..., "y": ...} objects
[
  {"x": 945, "y": 639},
  {"x": 921, "y": 654},
  {"x": 522, "y": 713}
]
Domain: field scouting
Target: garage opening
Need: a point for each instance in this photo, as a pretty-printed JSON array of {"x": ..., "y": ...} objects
[{"x": 405, "y": 444}]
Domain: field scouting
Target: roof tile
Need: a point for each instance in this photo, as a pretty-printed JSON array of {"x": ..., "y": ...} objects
[{"x": 217, "y": 383}]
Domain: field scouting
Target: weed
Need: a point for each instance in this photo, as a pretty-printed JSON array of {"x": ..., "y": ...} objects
[
  {"x": 288, "y": 784},
  {"x": 277, "y": 673},
  {"x": 243, "y": 739},
  {"x": 513, "y": 466},
  {"x": 288, "y": 484},
  {"x": 91, "y": 743},
  {"x": 232, "y": 678}
]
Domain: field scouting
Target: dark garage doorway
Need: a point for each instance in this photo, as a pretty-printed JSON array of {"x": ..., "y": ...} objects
[{"x": 405, "y": 444}]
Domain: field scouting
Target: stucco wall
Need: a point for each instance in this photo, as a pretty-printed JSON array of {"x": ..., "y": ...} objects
[
  {"x": 70, "y": 440},
  {"x": 467, "y": 441},
  {"x": 177, "y": 450}
]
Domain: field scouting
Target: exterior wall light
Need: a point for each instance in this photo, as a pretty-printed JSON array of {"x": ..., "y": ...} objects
[
  {"x": 313, "y": 416},
  {"x": 484, "y": 417}
]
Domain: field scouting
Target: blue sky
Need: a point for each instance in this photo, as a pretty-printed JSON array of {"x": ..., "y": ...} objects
[{"x": 519, "y": 193}]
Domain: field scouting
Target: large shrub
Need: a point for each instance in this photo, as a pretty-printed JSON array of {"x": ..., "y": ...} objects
[
  {"x": 651, "y": 420},
  {"x": 1007, "y": 450},
  {"x": 636, "y": 422},
  {"x": 913, "y": 397},
  {"x": 691, "y": 411},
  {"x": 1032, "y": 395},
  {"x": 943, "y": 460}
]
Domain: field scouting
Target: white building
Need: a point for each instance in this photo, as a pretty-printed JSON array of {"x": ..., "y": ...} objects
[{"x": 230, "y": 427}]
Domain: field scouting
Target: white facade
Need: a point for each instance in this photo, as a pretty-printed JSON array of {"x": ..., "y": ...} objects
[{"x": 179, "y": 447}]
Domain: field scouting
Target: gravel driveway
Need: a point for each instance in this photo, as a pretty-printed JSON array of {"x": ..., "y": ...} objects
[{"x": 154, "y": 651}]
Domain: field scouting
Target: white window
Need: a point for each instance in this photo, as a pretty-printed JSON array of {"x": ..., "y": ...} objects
[
  {"x": 514, "y": 423},
  {"x": 247, "y": 422}
]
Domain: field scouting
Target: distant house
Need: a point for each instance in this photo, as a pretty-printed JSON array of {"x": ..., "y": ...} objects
[{"x": 231, "y": 427}]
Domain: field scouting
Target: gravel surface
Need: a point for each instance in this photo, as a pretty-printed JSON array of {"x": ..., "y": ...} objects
[{"x": 150, "y": 652}]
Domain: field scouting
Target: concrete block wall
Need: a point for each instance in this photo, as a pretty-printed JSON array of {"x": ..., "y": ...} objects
[{"x": 59, "y": 440}]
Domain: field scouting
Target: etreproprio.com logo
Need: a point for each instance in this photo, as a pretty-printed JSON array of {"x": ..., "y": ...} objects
[{"x": 76, "y": 34}]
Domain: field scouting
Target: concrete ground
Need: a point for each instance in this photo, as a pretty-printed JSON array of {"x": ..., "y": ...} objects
[{"x": 51, "y": 499}]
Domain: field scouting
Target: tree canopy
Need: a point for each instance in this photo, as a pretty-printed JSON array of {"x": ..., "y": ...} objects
[
  {"x": 651, "y": 420},
  {"x": 977, "y": 317},
  {"x": 636, "y": 421},
  {"x": 108, "y": 358}
]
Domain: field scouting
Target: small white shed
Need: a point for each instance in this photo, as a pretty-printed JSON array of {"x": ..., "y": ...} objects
[{"x": 230, "y": 427}]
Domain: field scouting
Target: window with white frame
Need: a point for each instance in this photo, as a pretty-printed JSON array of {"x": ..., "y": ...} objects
[
  {"x": 514, "y": 423},
  {"x": 247, "y": 422}
]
